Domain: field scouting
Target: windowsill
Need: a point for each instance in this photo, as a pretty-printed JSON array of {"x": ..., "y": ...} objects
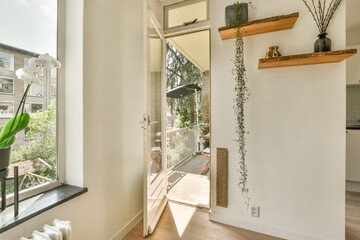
[{"x": 38, "y": 204}]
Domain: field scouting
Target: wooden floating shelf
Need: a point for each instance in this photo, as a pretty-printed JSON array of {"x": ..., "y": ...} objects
[
  {"x": 260, "y": 26},
  {"x": 306, "y": 59}
]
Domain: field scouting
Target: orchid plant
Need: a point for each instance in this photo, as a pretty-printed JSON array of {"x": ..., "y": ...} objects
[{"x": 30, "y": 74}]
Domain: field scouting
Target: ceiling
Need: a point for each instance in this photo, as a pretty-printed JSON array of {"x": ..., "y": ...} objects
[{"x": 195, "y": 47}]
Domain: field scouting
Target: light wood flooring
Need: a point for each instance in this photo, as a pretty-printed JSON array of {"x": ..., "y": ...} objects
[
  {"x": 352, "y": 216},
  {"x": 192, "y": 224},
  {"x": 180, "y": 222}
]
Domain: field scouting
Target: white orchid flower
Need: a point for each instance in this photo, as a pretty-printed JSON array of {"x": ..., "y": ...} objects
[
  {"x": 55, "y": 63},
  {"x": 30, "y": 70},
  {"x": 40, "y": 62},
  {"x": 45, "y": 61},
  {"x": 29, "y": 74},
  {"x": 30, "y": 79}
]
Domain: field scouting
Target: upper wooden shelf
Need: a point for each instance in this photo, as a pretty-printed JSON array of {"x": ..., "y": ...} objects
[
  {"x": 306, "y": 59},
  {"x": 260, "y": 26}
]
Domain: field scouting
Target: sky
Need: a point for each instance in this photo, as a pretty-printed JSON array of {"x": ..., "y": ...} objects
[{"x": 29, "y": 24}]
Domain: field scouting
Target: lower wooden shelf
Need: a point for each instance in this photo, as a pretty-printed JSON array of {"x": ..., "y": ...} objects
[{"x": 306, "y": 59}]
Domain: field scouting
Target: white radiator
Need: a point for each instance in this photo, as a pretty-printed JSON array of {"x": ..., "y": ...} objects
[{"x": 60, "y": 230}]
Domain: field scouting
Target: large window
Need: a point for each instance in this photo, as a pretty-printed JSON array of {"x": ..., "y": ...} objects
[
  {"x": 6, "y": 61},
  {"x": 30, "y": 29},
  {"x": 6, "y": 85}
]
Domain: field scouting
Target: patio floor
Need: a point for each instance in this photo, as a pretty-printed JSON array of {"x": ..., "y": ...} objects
[{"x": 186, "y": 183}]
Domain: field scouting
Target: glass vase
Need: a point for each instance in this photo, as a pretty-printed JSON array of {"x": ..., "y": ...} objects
[{"x": 323, "y": 44}]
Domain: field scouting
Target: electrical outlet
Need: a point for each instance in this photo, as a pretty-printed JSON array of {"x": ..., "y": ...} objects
[{"x": 254, "y": 211}]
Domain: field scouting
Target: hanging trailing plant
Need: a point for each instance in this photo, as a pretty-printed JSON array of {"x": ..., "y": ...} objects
[{"x": 242, "y": 96}]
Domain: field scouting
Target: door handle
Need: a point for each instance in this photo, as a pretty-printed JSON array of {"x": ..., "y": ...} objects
[{"x": 146, "y": 121}]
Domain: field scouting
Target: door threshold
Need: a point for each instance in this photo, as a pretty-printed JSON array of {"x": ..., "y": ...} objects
[{"x": 201, "y": 207}]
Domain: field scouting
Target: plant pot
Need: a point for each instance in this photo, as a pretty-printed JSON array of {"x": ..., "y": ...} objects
[
  {"x": 4, "y": 162},
  {"x": 323, "y": 44},
  {"x": 205, "y": 145},
  {"x": 231, "y": 14}
]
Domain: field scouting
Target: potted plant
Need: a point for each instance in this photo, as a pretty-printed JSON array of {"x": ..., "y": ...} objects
[
  {"x": 242, "y": 96},
  {"x": 29, "y": 74},
  {"x": 322, "y": 14},
  {"x": 205, "y": 134},
  {"x": 232, "y": 15}
]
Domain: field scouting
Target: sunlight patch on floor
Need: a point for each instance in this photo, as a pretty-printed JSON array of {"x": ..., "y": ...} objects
[
  {"x": 192, "y": 189},
  {"x": 182, "y": 216}
]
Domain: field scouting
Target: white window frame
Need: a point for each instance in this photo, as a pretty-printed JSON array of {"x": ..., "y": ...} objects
[
  {"x": 1, "y": 117},
  {"x": 13, "y": 85},
  {"x": 200, "y": 25},
  {"x": 60, "y": 113},
  {"x": 13, "y": 63}
]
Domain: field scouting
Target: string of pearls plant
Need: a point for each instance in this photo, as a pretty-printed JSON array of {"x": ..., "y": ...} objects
[{"x": 242, "y": 96}]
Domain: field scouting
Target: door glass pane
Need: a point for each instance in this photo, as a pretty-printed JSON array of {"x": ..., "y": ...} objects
[
  {"x": 177, "y": 16},
  {"x": 155, "y": 50}
]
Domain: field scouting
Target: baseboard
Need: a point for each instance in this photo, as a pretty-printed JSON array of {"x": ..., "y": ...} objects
[
  {"x": 125, "y": 230},
  {"x": 262, "y": 228},
  {"x": 353, "y": 186}
]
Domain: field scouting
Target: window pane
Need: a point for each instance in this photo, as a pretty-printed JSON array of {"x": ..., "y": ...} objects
[
  {"x": 179, "y": 15},
  {"x": 30, "y": 29},
  {"x": 33, "y": 108},
  {"x": 6, "y": 61},
  {"x": 6, "y": 109},
  {"x": 6, "y": 85},
  {"x": 53, "y": 89},
  {"x": 36, "y": 90}
]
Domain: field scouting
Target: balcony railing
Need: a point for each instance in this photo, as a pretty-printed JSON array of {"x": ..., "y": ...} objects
[{"x": 181, "y": 143}]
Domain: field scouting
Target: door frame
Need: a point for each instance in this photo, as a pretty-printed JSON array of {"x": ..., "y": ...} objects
[{"x": 196, "y": 29}]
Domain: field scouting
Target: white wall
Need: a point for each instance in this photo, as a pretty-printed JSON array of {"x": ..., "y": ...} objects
[
  {"x": 352, "y": 22},
  {"x": 296, "y": 119},
  {"x": 113, "y": 106}
]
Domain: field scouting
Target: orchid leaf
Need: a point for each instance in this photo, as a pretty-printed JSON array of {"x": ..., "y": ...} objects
[
  {"x": 12, "y": 127},
  {"x": 8, "y": 142}
]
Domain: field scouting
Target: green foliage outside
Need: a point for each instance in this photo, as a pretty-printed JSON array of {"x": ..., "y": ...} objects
[
  {"x": 178, "y": 148},
  {"x": 41, "y": 144},
  {"x": 204, "y": 129},
  {"x": 181, "y": 71}
]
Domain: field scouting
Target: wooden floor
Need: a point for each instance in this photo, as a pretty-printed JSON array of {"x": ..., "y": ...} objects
[
  {"x": 180, "y": 222},
  {"x": 352, "y": 216}
]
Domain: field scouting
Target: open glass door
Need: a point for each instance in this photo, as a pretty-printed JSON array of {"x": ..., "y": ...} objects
[{"x": 154, "y": 129}]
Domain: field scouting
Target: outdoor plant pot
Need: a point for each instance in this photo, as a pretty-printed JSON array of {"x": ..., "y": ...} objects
[
  {"x": 230, "y": 14},
  {"x": 4, "y": 162},
  {"x": 205, "y": 145}
]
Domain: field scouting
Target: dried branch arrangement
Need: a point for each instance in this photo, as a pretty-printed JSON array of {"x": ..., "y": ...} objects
[{"x": 322, "y": 12}]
